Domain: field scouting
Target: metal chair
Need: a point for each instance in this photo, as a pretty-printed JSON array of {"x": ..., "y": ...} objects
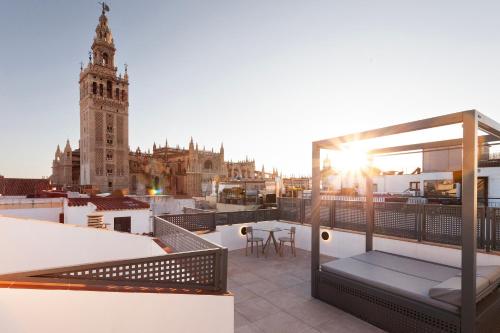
[
  {"x": 251, "y": 239},
  {"x": 290, "y": 239}
]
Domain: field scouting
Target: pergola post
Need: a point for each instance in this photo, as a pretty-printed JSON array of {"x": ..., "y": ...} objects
[
  {"x": 469, "y": 220},
  {"x": 315, "y": 205},
  {"x": 370, "y": 217}
]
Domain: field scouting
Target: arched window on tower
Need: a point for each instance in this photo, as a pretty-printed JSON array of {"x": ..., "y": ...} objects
[
  {"x": 207, "y": 165},
  {"x": 105, "y": 59},
  {"x": 101, "y": 89},
  {"x": 109, "y": 89},
  {"x": 94, "y": 88},
  {"x": 117, "y": 93}
]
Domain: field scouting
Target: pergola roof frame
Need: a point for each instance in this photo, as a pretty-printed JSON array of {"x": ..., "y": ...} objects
[{"x": 471, "y": 121}]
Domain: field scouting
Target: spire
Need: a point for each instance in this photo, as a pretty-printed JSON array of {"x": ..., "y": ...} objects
[
  {"x": 166, "y": 143},
  {"x": 67, "y": 147},
  {"x": 222, "y": 147},
  {"x": 154, "y": 146},
  {"x": 191, "y": 144},
  {"x": 103, "y": 32},
  {"x": 58, "y": 151},
  {"x": 103, "y": 48}
]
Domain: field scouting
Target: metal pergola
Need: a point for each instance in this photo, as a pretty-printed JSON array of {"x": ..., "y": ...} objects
[{"x": 472, "y": 121}]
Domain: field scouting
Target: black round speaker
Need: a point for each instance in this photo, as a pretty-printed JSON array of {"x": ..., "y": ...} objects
[
  {"x": 325, "y": 235},
  {"x": 243, "y": 231}
]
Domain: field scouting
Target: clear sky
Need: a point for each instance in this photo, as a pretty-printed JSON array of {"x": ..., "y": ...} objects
[{"x": 265, "y": 77}]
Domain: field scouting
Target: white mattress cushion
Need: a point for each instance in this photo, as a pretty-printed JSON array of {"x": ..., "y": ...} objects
[
  {"x": 491, "y": 273},
  {"x": 450, "y": 291}
]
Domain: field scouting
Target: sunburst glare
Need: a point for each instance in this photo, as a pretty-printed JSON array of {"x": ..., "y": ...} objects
[{"x": 351, "y": 159}]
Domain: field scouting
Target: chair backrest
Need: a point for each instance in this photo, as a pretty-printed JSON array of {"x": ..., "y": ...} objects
[
  {"x": 249, "y": 232},
  {"x": 292, "y": 233}
]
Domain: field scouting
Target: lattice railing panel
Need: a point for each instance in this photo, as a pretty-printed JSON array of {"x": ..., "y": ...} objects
[
  {"x": 325, "y": 213},
  {"x": 185, "y": 270},
  {"x": 443, "y": 224},
  {"x": 495, "y": 228},
  {"x": 202, "y": 266},
  {"x": 396, "y": 219},
  {"x": 242, "y": 217},
  {"x": 266, "y": 215},
  {"x": 222, "y": 219},
  {"x": 289, "y": 209},
  {"x": 179, "y": 239},
  {"x": 433, "y": 223},
  {"x": 350, "y": 215},
  {"x": 193, "y": 222}
]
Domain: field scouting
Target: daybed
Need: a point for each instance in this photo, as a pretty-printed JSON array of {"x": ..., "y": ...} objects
[
  {"x": 401, "y": 294},
  {"x": 394, "y": 292}
]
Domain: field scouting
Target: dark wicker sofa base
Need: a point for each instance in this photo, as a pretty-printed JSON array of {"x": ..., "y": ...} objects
[{"x": 395, "y": 313}]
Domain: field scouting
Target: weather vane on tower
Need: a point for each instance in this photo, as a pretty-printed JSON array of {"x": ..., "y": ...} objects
[{"x": 105, "y": 7}]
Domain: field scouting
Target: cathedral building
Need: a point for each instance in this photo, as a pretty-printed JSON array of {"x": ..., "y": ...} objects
[{"x": 103, "y": 161}]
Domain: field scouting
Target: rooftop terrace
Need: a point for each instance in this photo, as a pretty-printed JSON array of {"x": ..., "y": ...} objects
[{"x": 273, "y": 294}]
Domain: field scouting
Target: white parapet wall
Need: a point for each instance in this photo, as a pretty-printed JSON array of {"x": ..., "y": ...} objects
[
  {"x": 47, "y": 209},
  {"x": 140, "y": 219},
  {"x": 44, "y": 311},
  {"x": 166, "y": 204},
  {"x": 341, "y": 244},
  {"x": 27, "y": 244}
]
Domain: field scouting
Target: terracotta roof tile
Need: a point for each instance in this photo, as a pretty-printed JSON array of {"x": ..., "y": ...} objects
[
  {"x": 23, "y": 186},
  {"x": 109, "y": 203}
]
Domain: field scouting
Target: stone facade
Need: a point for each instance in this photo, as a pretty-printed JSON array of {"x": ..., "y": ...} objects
[
  {"x": 182, "y": 171},
  {"x": 104, "y": 160},
  {"x": 103, "y": 116}
]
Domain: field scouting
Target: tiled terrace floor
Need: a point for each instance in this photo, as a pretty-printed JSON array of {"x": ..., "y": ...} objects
[{"x": 274, "y": 295}]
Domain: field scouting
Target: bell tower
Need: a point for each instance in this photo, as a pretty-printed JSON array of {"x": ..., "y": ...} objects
[{"x": 103, "y": 115}]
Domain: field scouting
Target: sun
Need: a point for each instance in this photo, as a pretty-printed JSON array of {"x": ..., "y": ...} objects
[{"x": 351, "y": 159}]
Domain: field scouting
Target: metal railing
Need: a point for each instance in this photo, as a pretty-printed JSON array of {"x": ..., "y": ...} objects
[
  {"x": 179, "y": 238},
  {"x": 204, "y": 260},
  {"x": 189, "y": 210},
  {"x": 204, "y": 221},
  {"x": 196, "y": 266},
  {"x": 192, "y": 222},
  {"x": 416, "y": 221}
]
